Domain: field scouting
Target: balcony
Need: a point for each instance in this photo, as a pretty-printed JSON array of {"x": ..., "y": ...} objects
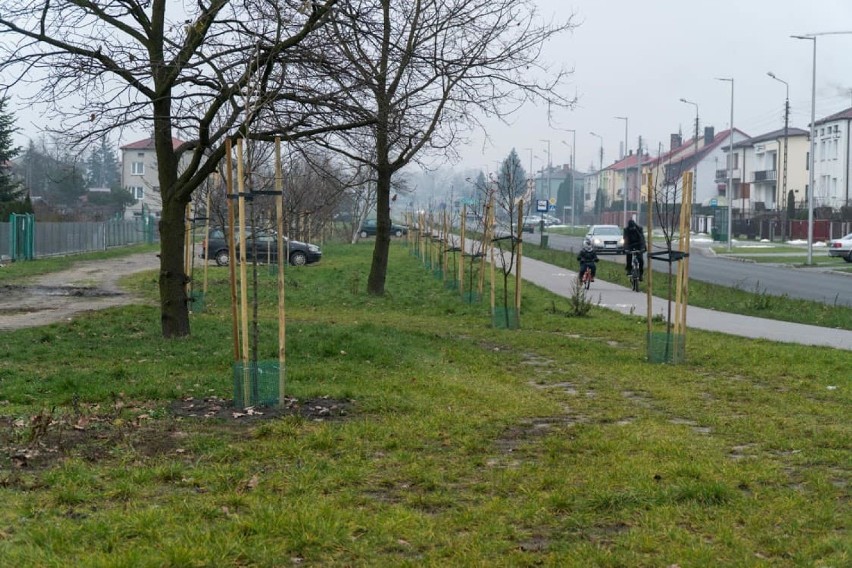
[
  {"x": 722, "y": 175},
  {"x": 764, "y": 175}
]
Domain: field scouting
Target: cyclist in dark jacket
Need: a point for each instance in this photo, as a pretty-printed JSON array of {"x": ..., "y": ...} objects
[
  {"x": 588, "y": 259},
  {"x": 634, "y": 240}
]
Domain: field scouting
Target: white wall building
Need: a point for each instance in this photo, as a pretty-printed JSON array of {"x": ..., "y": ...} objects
[
  {"x": 832, "y": 153},
  {"x": 140, "y": 177}
]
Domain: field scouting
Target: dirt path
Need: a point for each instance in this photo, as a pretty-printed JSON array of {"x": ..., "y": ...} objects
[{"x": 58, "y": 296}]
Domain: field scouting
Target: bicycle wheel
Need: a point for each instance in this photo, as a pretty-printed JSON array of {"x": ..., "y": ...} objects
[
  {"x": 634, "y": 274},
  {"x": 587, "y": 278}
]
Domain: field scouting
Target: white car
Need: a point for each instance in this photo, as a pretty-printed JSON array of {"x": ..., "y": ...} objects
[
  {"x": 841, "y": 247},
  {"x": 607, "y": 239}
]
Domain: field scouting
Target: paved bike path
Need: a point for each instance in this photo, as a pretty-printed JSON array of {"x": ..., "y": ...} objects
[{"x": 623, "y": 299}]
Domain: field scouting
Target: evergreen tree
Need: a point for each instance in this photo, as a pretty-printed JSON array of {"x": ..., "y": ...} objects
[
  {"x": 11, "y": 193},
  {"x": 103, "y": 169}
]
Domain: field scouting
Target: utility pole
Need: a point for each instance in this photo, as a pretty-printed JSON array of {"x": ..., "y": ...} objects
[
  {"x": 549, "y": 168},
  {"x": 624, "y": 197},
  {"x": 783, "y": 201},
  {"x": 695, "y": 168},
  {"x": 600, "y": 174}
]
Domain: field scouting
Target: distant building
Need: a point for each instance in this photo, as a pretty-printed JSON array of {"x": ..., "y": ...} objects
[
  {"x": 832, "y": 157},
  {"x": 140, "y": 177}
]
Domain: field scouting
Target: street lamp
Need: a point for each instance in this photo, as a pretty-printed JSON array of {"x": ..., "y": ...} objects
[
  {"x": 730, "y": 195},
  {"x": 695, "y": 167},
  {"x": 600, "y": 169},
  {"x": 573, "y": 170},
  {"x": 624, "y": 118},
  {"x": 813, "y": 38},
  {"x": 783, "y": 200},
  {"x": 549, "y": 164}
]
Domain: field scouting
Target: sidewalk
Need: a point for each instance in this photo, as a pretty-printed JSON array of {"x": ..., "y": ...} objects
[{"x": 622, "y": 299}]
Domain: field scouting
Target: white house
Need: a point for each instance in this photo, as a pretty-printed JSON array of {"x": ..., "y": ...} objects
[
  {"x": 139, "y": 176},
  {"x": 761, "y": 163},
  {"x": 832, "y": 153}
]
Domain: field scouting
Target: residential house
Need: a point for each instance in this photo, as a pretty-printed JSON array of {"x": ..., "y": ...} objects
[
  {"x": 832, "y": 160},
  {"x": 139, "y": 175},
  {"x": 761, "y": 161},
  {"x": 702, "y": 157}
]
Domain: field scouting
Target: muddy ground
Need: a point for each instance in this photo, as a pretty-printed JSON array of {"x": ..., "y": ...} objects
[{"x": 59, "y": 296}]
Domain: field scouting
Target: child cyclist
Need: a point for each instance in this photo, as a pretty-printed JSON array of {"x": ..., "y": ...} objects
[{"x": 588, "y": 259}]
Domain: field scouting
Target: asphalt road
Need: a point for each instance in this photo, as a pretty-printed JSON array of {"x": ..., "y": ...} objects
[{"x": 814, "y": 284}]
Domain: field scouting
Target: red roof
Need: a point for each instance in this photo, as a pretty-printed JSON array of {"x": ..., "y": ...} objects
[{"x": 148, "y": 144}]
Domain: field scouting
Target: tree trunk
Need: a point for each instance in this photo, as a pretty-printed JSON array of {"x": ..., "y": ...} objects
[
  {"x": 174, "y": 310},
  {"x": 174, "y": 307},
  {"x": 379, "y": 266}
]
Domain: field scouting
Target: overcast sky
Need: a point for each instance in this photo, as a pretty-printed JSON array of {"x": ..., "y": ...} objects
[{"x": 639, "y": 58}]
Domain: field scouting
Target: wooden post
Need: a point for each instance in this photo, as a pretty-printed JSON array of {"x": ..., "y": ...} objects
[
  {"x": 282, "y": 260},
  {"x": 207, "y": 232},
  {"x": 187, "y": 242},
  {"x": 520, "y": 256},
  {"x": 493, "y": 293},
  {"x": 232, "y": 264},
  {"x": 649, "y": 273},
  {"x": 241, "y": 210},
  {"x": 445, "y": 255},
  {"x": 462, "y": 247}
]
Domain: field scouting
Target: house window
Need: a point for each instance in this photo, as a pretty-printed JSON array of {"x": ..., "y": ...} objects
[
  {"x": 137, "y": 168},
  {"x": 136, "y": 192}
]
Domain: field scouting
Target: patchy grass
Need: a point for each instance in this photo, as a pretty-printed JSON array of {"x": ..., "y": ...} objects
[{"x": 556, "y": 444}]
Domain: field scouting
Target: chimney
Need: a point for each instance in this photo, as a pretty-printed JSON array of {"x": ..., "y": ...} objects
[
  {"x": 675, "y": 141},
  {"x": 709, "y": 134}
]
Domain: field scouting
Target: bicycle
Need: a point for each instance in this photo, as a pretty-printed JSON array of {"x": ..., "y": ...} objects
[
  {"x": 586, "y": 278},
  {"x": 634, "y": 270}
]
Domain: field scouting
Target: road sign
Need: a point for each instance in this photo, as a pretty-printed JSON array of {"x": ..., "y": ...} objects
[
  {"x": 541, "y": 205},
  {"x": 552, "y": 209},
  {"x": 714, "y": 202}
]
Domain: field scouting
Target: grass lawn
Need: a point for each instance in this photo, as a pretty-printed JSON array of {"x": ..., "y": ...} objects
[{"x": 448, "y": 442}]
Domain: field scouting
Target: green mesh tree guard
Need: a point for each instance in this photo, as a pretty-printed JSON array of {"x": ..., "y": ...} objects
[
  {"x": 666, "y": 347},
  {"x": 505, "y": 318},
  {"x": 451, "y": 284},
  {"x": 471, "y": 297},
  {"x": 196, "y": 298},
  {"x": 258, "y": 384}
]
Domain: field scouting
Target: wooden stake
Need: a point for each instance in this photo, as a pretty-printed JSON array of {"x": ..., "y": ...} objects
[
  {"x": 232, "y": 263},
  {"x": 649, "y": 292},
  {"x": 241, "y": 211},
  {"x": 520, "y": 256},
  {"x": 207, "y": 233},
  {"x": 282, "y": 260}
]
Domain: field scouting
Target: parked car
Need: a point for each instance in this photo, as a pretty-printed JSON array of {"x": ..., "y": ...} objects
[
  {"x": 369, "y": 227},
  {"x": 264, "y": 243},
  {"x": 607, "y": 239},
  {"x": 532, "y": 222},
  {"x": 841, "y": 247}
]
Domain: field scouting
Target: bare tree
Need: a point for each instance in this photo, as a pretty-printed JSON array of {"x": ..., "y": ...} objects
[
  {"x": 426, "y": 71},
  {"x": 200, "y": 72}
]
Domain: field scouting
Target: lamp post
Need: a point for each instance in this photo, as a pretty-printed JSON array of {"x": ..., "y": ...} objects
[
  {"x": 730, "y": 192},
  {"x": 624, "y": 118},
  {"x": 811, "y": 188},
  {"x": 600, "y": 168},
  {"x": 783, "y": 200},
  {"x": 549, "y": 164},
  {"x": 573, "y": 170},
  {"x": 695, "y": 167}
]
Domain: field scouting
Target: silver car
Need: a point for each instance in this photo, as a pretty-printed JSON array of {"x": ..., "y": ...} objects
[
  {"x": 841, "y": 247},
  {"x": 607, "y": 239}
]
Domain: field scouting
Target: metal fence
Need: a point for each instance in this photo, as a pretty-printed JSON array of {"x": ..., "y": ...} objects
[{"x": 58, "y": 239}]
